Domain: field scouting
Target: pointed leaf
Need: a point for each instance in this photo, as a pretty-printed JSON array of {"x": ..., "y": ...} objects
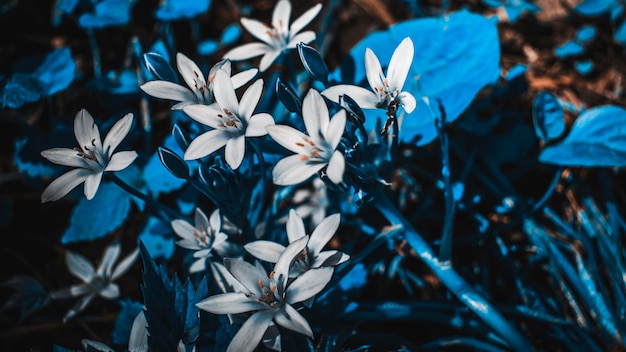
[
  {"x": 548, "y": 117},
  {"x": 174, "y": 163},
  {"x": 313, "y": 63},
  {"x": 159, "y": 67},
  {"x": 288, "y": 97}
]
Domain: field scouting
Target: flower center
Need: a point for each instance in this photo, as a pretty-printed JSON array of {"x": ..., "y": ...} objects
[
  {"x": 267, "y": 292},
  {"x": 278, "y": 38},
  {"x": 203, "y": 237},
  {"x": 314, "y": 152},
  {"x": 231, "y": 122}
]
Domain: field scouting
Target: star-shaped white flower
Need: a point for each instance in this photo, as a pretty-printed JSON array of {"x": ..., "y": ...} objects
[
  {"x": 232, "y": 121},
  {"x": 197, "y": 90},
  {"x": 277, "y": 37},
  {"x": 386, "y": 89},
  {"x": 312, "y": 256},
  {"x": 205, "y": 237},
  {"x": 91, "y": 159},
  {"x": 95, "y": 281},
  {"x": 270, "y": 296},
  {"x": 315, "y": 151}
]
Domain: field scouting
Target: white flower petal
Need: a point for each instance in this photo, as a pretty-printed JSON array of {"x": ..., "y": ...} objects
[
  {"x": 258, "y": 29},
  {"x": 281, "y": 16},
  {"x": 206, "y": 143},
  {"x": 200, "y": 220},
  {"x": 189, "y": 71},
  {"x": 336, "y": 167},
  {"x": 265, "y": 250},
  {"x": 295, "y": 226},
  {"x": 400, "y": 64},
  {"x": 111, "y": 291},
  {"x": 240, "y": 79},
  {"x": 251, "y": 332},
  {"x": 86, "y": 130},
  {"x": 169, "y": 91},
  {"x": 408, "y": 101},
  {"x": 248, "y": 51},
  {"x": 336, "y": 128},
  {"x": 205, "y": 114},
  {"x": 268, "y": 58},
  {"x": 58, "y": 188},
  {"x": 374, "y": 71},
  {"x": 125, "y": 264},
  {"x": 304, "y": 37},
  {"x": 138, "y": 340},
  {"x": 198, "y": 266},
  {"x": 250, "y": 99},
  {"x": 329, "y": 258},
  {"x": 308, "y": 284},
  {"x": 117, "y": 133},
  {"x": 365, "y": 98},
  {"x": 288, "y": 137},
  {"x": 315, "y": 114},
  {"x": 235, "y": 151},
  {"x": 324, "y": 231},
  {"x": 92, "y": 183},
  {"x": 304, "y": 19},
  {"x": 215, "y": 221},
  {"x": 78, "y": 307},
  {"x": 258, "y": 123},
  {"x": 183, "y": 229},
  {"x": 281, "y": 269},
  {"x": 121, "y": 160},
  {"x": 231, "y": 303},
  {"x": 225, "y": 93},
  {"x": 290, "y": 318},
  {"x": 247, "y": 274},
  {"x": 292, "y": 170},
  {"x": 109, "y": 258},
  {"x": 65, "y": 157},
  {"x": 79, "y": 266}
]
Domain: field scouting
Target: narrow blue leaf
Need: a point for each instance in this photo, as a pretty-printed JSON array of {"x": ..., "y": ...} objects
[
  {"x": 596, "y": 140},
  {"x": 159, "y": 67},
  {"x": 96, "y": 218},
  {"x": 230, "y": 34},
  {"x": 313, "y": 63},
  {"x": 174, "y": 163},
  {"x": 548, "y": 117},
  {"x": 181, "y": 138},
  {"x": 288, "y": 97}
]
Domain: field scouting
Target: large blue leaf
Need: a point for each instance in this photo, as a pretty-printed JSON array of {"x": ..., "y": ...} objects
[
  {"x": 56, "y": 72},
  {"x": 158, "y": 238},
  {"x": 455, "y": 56},
  {"x": 596, "y": 140},
  {"x": 107, "y": 13},
  {"x": 125, "y": 319},
  {"x": 594, "y": 7},
  {"x": 171, "y": 10},
  {"x": 158, "y": 179},
  {"x": 96, "y": 218}
]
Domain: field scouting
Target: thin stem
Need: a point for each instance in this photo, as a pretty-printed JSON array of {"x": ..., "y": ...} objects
[
  {"x": 95, "y": 53},
  {"x": 261, "y": 160},
  {"x": 144, "y": 107},
  {"x": 451, "y": 279},
  {"x": 445, "y": 250},
  {"x": 170, "y": 214},
  {"x": 555, "y": 181}
]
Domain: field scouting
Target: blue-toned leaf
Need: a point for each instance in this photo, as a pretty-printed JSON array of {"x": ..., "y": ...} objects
[
  {"x": 313, "y": 63},
  {"x": 96, "y": 218},
  {"x": 107, "y": 13},
  {"x": 353, "y": 108},
  {"x": 158, "y": 239},
  {"x": 569, "y": 49},
  {"x": 174, "y": 163},
  {"x": 62, "y": 7},
  {"x": 616, "y": 12},
  {"x": 125, "y": 82},
  {"x": 620, "y": 34},
  {"x": 160, "y": 178},
  {"x": 21, "y": 88},
  {"x": 27, "y": 156},
  {"x": 355, "y": 279},
  {"x": 126, "y": 317},
  {"x": 594, "y": 7},
  {"x": 288, "y": 97},
  {"x": 513, "y": 13},
  {"x": 57, "y": 348},
  {"x": 56, "y": 72},
  {"x": 548, "y": 117},
  {"x": 584, "y": 67},
  {"x": 172, "y": 10},
  {"x": 182, "y": 139},
  {"x": 455, "y": 57},
  {"x": 586, "y": 34},
  {"x": 230, "y": 34},
  {"x": 596, "y": 140},
  {"x": 208, "y": 47},
  {"x": 29, "y": 295},
  {"x": 516, "y": 71},
  {"x": 159, "y": 67}
]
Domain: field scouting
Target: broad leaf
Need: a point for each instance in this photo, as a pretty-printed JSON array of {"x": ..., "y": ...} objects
[
  {"x": 171, "y": 10},
  {"x": 165, "y": 171},
  {"x": 124, "y": 322},
  {"x": 107, "y": 13},
  {"x": 313, "y": 63},
  {"x": 596, "y": 140},
  {"x": 158, "y": 238},
  {"x": 548, "y": 117},
  {"x": 594, "y": 7},
  {"x": 96, "y": 218}
]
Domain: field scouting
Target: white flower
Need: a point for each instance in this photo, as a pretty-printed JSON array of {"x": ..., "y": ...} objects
[
  {"x": 387, "y": 89},
  {"x": 91, "y": 159},
  {"x": 205, "y": 237},
  {"x": 95, "y": 281},
  {"x": 197, "y": 90},
  {"x": 312, "y": 256},
  {"x": 277, "y": 37},
  {"x": 315, "y": 151},
  {"x": 269, "y": 295},
  {"x": 232, "y": 121}
]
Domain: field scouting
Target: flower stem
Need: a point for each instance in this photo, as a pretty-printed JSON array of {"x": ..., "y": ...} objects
[
  {"x": 95, "y": 53},
  {"x": 161, "y": 209},
  {"x": 445, "y": 250},
  {"x": 144, "y": 107},
  {"x": 451, "y": 279},
  {"x": 555, "y": 181}
]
